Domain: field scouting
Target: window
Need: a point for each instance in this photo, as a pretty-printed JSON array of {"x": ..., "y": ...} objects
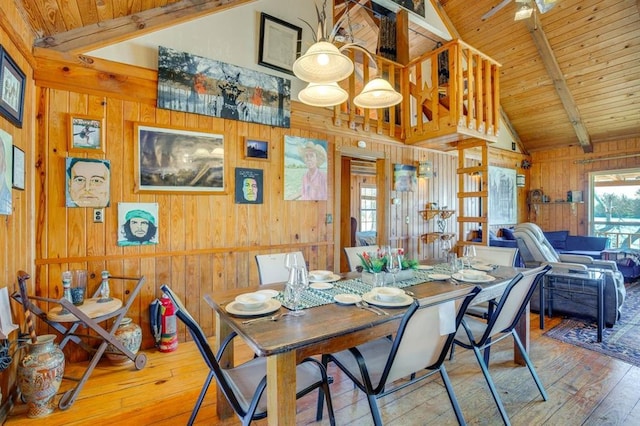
[
  {"x": 615, "y": 207},
  {"x": 368, "y": 195}
]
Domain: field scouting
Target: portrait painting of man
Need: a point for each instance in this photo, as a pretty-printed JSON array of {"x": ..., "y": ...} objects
[
  {"x": 88, "y": 182},
  {"x": 248, "y": 186},
  {"x": 137, "y": 224}
]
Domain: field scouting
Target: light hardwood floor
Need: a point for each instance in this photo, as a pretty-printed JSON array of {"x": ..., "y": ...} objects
[{"x": 584, "y": 387}]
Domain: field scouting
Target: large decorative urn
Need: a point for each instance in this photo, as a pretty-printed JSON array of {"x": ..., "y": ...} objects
[{"x": 40, "y": 374}]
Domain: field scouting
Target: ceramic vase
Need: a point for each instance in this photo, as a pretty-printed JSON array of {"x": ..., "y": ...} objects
[
  {"x": 40, "y": 374},
  {"x": 130, "y": 335}
]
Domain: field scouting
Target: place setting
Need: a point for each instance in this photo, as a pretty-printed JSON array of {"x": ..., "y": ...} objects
[
  {"x": 253, "y": 304},
  {"x": 321, "y": 280},
  {"x": 388, "y": 297},
  {"x": 473, "y": 276}
]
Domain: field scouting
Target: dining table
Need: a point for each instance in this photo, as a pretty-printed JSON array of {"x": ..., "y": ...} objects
[{"x": 327, "y": 326}]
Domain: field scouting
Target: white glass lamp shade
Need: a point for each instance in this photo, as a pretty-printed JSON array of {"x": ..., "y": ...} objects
[
  {"x": 378, "y": 93},
  {"x": 523, "y": 12},
  {"x": 323, "y": 63},
  {"x": 323, "y": 95}
]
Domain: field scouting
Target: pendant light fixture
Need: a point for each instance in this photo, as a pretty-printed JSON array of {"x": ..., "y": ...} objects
[{"x": 324, "y": 65}]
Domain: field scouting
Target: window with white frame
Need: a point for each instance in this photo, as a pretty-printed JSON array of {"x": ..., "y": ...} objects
[{"x": 368, "y": 196}]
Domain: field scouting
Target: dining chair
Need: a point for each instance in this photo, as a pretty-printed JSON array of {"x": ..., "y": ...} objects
[
  {"x": 500, "y": 256},
  {"x": 244, "y": 385},
  {"x": 272, "y": 269},
  {"x": 420, "y": 346},
  {"x": 479, "y": 335},
  {"x": 353, "y": 252}
]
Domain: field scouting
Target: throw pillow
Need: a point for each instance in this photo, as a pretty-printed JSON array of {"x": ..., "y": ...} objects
[
  {"x": 507, "y": 234},
  {"x": 558, "y": 239}
]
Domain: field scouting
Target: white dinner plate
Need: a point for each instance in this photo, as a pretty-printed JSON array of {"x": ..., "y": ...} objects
[
  {"x": 482, "y": 267},
  {"x": 485, "y": 279},
  {"x": 402, "y": 300},
  {"x": 271, "y": 305},
  {"x": 269, "y": 292},
  {"x": 332, "y": 278},
  {"x": 321, "y": 286},
  {"x": 347, "y": 299},
  {"x": 424, "y": 267},
  {"x": 439, "y": 277}
]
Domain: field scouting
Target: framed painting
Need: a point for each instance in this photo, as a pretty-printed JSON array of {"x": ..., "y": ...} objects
[
  {"x": 249, "y": 186},
  {"x": 171, "y": 160},
  {"x": 12, "y": 81},
  {"x": 137, "y": 224},
  {"x": 86, "y": 134},
  {"x": 256, "y": 150},
  {"x": 280, "y": 43},
  {"x": 6, "y": 166},
  {"x": 404, "y": 178},
  {"x": 415, "y": 6},
  {"x": 503, "y": 196},
  {"x": 88, "y": 182},
  {"x": 199, "y": 85},
  {"x": 18, "y": 168},
  {"x": 305, "y": 168}
]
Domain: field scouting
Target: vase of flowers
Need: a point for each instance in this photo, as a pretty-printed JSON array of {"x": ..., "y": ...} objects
[{"x": 374, "y": 268}]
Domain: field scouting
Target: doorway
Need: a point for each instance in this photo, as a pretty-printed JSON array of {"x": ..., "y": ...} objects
[{"x": 355, "y": 162}]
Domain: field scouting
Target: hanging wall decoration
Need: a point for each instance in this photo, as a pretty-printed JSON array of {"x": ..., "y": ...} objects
[
  {"x": 249, "y": 186},
  {"x": 205, "y": 86},
  {"x": 503, "y": 196},
  {"x": 305, "y": 168},
  {"x": 137, "y": 224}
]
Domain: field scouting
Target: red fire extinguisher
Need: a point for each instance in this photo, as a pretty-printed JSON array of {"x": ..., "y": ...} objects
[{"x": 169, "y": 331}]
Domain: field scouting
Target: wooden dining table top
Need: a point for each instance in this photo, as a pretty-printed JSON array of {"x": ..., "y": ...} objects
[{"x": 324, "y": 323}]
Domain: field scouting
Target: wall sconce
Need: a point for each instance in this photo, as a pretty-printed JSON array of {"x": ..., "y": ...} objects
[
  {"x": 520, "y": 181},
  {"x": 425, "y": 169}
]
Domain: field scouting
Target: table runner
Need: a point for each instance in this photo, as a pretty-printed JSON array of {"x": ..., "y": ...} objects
[{"x": 312, "y": 297}]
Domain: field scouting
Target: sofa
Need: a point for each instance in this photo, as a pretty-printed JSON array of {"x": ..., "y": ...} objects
[{"x": 564, "y": 243}]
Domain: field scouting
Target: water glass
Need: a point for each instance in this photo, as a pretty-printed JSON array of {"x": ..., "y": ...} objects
[
  {"x": 298, "y": 283},
  {"x": 454, "y": 263}
]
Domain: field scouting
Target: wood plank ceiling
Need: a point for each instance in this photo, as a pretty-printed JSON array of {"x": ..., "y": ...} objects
[{"x": 569, "y": 76}]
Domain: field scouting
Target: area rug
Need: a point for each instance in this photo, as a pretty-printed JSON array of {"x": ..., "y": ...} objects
[{"x": 622, "y": 341}]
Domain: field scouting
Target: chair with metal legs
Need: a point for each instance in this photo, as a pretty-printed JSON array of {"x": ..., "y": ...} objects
[
  {"x": 479, "y": 335},
  {"x": 420, "y": 346},
  {"x": 244, "y": 385}
]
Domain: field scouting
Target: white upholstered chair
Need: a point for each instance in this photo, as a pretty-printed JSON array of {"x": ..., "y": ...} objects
[
  {"x": 272, "y": 269},
  {"x": 502, "y": 256}
]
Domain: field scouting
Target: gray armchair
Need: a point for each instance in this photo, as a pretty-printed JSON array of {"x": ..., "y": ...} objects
[{"x": 536, "y": 250}]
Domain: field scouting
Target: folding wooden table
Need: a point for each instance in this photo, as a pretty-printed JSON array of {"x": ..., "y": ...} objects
[{"x": 66, "y": 318}]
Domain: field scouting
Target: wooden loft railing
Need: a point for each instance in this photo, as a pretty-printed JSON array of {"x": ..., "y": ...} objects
[{"x": 450, "y": 94}]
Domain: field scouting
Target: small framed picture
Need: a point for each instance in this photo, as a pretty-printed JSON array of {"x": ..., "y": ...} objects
[
  {"x": 18, "y": 168},
  {"x": 11, "y": 89},
  {"x": 87, "y": 134},
  {"x": 256, "y": 150},
  {"x": 280, "y": 43},
  {"x": 249, "y": 183}
]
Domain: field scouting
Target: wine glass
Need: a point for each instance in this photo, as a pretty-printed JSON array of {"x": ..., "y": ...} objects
[
  {"x": 445, "y": 247},
  {"x": 394, "y": 263},
  {"x": 469, "y": 254},
  {"x": 290, "y": 260},
  {"x": 298, "y": 283}
]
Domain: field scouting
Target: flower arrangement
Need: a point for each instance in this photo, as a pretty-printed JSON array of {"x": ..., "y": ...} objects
[{"x": 374, "y": 262}]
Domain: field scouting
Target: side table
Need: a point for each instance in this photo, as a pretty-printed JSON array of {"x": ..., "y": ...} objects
[
  {"x": 65, "y": 318},
  {"x": 575, "y": 283}
]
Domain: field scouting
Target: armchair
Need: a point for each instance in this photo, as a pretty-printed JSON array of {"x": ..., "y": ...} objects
[{"x": 536, "y": 250}]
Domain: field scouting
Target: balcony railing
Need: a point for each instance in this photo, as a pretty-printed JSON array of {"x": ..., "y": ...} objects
[{"x": 449, "y": 94}]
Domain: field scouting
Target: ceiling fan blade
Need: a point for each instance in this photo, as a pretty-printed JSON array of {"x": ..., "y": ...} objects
[{"x": 495, "y": 10}]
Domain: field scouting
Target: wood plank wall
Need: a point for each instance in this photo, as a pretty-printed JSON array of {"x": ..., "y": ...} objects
[
  {"x": 559, "y": 170},
  {"x": 17, "y": 229},
  {"x": 207, "y": 242}
]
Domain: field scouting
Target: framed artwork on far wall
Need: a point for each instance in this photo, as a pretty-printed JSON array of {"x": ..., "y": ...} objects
[
  {"x": 404, "y": 178},
  {"x": 503, "y": 196},
  {"x": 86, "y": 134},
  {"x": 172, "y": 160},
  {"x": 18, "y": 168},
  {"x": 255, "y": 149},
  {"x": 249, "y": 185},
  {"x": 12, "y": 81},
  {"x": 280, "y": 43}
]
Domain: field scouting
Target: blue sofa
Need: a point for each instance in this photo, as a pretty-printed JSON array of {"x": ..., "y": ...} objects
[{"x": 572, "y": 244}]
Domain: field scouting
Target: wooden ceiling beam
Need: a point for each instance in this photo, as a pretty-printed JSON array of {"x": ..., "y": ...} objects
[
  {"x": 559, "y": 82},
  {"x": 116, "y": 30}
]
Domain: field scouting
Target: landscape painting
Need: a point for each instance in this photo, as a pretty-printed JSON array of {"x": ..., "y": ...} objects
[
  {"x": 503, "y": 196},
  {"x": 191, "y": 83}
]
